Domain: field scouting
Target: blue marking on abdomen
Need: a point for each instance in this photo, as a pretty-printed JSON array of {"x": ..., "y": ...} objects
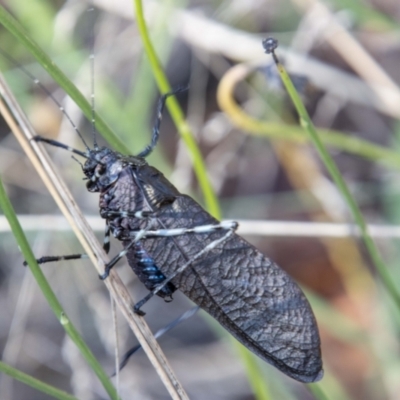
[{"x": 150, "y": 274}]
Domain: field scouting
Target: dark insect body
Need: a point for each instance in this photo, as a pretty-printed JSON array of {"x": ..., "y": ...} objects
[{"x": 172, "y": 243}]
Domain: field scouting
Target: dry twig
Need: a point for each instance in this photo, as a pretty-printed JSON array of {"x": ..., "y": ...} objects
[{"x": 23, "y": 131}]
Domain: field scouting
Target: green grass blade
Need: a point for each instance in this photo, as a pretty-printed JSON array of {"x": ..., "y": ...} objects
[
  {"x": 253, "y": 372},
  {"x": 306, "y": 123},
  {"x": 364, "y": 13},
  {"x": 35, "y": 383},
  {"x": 211, "y": 201},
  {"x": 48, "y": 293}
]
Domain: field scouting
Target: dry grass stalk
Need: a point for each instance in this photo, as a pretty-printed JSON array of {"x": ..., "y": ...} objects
[{"x": 41, "y": 161}]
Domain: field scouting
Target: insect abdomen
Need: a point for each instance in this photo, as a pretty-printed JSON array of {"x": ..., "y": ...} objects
[
  {"x": 148, "y": 272},
  {"x": 251, "y": 297}
]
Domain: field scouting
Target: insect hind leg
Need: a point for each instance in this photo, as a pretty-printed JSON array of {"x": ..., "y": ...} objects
[
  {"x": 206, "y": 249},
  {"x": 185, "y": 316},
  {"x": 225, "y": 225},
  {"x": 230, "y": 226}
]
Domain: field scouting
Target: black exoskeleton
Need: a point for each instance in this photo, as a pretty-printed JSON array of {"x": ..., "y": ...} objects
[
  {"x": 172, "y": 243},
  {"x": 121, "y": 181}
]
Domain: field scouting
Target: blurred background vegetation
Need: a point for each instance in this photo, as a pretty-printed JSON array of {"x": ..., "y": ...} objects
[{"x": 344, "y": 58}]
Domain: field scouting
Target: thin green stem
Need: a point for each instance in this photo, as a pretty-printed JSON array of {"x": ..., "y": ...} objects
[
  {"x": 177, "y": 115},
  {"x": 254, "y": 374},
  {"x": 255, "y": 377},
  {"x": 35, "y": 383},
  {"x": 317, "y": 390},
  {"x": 306, "y": 123},
  {"x": 48, "y": 293},
  {"x": 249, "y": 124}
]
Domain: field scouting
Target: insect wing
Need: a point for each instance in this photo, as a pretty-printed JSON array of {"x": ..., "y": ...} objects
[{"x": 251, "y": 297}]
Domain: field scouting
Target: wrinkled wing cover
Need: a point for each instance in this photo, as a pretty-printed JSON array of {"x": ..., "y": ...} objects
[{"x": 250, "y": 296}]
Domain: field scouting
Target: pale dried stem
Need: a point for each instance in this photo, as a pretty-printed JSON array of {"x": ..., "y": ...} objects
[
  {"x": 217, "y": 38},
  {"x": 23, "y": 131},
  {"x": 384, "y": 87},
  {"x": 262, "y": 228}
]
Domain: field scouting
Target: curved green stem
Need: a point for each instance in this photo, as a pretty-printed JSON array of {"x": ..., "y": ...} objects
[
  {"x": 306, "y": 123},
  {"x": 177, "y": 116},
  {"x": 276, "y": 130}
]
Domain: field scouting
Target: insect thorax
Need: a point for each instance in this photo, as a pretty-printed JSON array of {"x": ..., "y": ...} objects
[
  {"x": 103, "y": 167},
  {"x": 133, "y": 188}
]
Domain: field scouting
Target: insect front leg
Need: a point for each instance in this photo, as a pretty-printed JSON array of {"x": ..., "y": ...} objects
[
  {"x": 230, "y": 226},
  {"x": 47, "y": 259},
  {"x": 139, "y": 235},
  {"x": 106, "y": 240}
]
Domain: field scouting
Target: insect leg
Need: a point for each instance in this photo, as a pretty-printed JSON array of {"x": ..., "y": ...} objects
[
  {"x": 139, "y": 235},
  {"x": 226, "y": 225},
  {"x": 130, "y": 214},
  {"x": 186, "y": 315},
  {"x": 206, "y": 249},
  {"x": 46, "y": 259},
  {"x": 106, "y": 240},
  {"x": 169, "y": 232}
]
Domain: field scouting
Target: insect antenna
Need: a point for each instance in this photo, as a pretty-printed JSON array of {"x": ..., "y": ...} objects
[
  {"x": 156, "y": 128},
  {"x": 55, "y": 143},
  {"x": 92, "y": 98},
  {"x": 45, "y": 90}
]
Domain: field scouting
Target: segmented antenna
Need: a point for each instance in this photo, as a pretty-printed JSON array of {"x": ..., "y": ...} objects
[
  {"x": 92, "y": 98},
  {"x": 42, "y": 87},
  {"x": 156, "y": 128},
  {"x": 55, "y": 143}
]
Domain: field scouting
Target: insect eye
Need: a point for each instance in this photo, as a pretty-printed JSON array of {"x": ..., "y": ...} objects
[{"x": 100, "y": 169}]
